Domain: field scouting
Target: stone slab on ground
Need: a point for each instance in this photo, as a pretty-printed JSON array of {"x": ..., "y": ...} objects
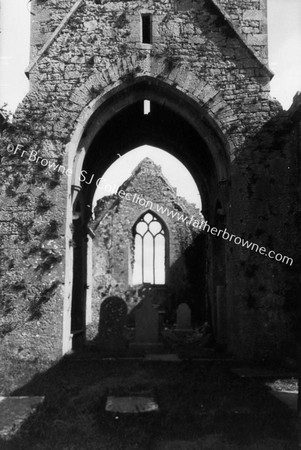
[
  {"x": 131, "y": 404},
  {"x": 250, "y": 372},
  {"x": 14, "y": 411}
]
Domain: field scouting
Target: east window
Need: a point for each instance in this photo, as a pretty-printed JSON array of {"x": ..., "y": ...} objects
[{"x": 149, "y": 250}]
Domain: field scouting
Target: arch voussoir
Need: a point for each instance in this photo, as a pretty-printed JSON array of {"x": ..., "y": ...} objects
[{"x": 157, "y": 67}]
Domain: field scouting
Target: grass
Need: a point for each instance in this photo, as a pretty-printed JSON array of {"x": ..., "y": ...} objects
[
  {"x": 16, "y": 372},
  {"x": 202, "y": 406}
]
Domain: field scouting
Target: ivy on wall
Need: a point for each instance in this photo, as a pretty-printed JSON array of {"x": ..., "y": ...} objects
[{"x": 34, "y": 242}]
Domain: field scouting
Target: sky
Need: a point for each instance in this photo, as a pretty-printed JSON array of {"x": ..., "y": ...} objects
[
  {"x": 284, "y": 33},
  {"x": 14, "y": 51},
  {"x": 284, "y": 28},
  {"x": 170, "y": 166}
]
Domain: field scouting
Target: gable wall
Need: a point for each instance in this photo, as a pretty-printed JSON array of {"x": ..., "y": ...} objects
[
  {"x": 113, "y": 246},
  {"x": 250, "y": 18}
]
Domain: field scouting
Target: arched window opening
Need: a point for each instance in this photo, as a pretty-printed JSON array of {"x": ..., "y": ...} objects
[{"x": 149, "y": 250}]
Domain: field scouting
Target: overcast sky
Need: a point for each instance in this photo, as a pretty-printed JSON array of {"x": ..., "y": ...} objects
[{"x": 284, "y": 27}]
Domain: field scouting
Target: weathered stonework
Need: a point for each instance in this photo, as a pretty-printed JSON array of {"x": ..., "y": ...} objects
[
  {"x": 113, "y": 246},
  {"x": 205, "y": 74}
]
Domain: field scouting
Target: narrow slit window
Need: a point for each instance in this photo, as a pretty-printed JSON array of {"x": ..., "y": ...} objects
[
  {"x": 146, "y": 28},
  {"x": 146, "y": 107}
]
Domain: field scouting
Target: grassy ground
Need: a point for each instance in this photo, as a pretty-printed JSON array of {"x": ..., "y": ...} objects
[{"x": 202, "y": 406}]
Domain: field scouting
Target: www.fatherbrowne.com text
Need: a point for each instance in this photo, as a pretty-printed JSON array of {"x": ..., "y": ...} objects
[
  {"x": 135, "y": 198},
  {"x": 204, "y": 226}
]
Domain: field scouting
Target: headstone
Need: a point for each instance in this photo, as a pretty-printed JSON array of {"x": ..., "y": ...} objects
[
  {"x": 147, "y": 322},
  {"x": 183, "y": 317},
  {"x": 113, "y": 312}
]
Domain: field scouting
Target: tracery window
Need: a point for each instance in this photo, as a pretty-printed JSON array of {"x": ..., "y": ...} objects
[{"x": 149, "y": 250}]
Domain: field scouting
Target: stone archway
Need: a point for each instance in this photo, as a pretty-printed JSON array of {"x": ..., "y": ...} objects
[{"x": 179, "y": 125}]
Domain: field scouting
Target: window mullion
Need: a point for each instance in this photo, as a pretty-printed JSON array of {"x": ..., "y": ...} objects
[
  {"x": 150, "y": 270},
  {"x": 154, "y": 258},
  {"x": 142, "y": 247}
]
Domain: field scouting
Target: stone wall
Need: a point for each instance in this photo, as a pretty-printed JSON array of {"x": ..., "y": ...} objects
[
  {"x": 101, "y": 42},
  {"x": 250, "y": 19},
  {"x": 267, "y": 290},
  {"x": 196, "y": 52},
  {"x": 113, "y": 256}
]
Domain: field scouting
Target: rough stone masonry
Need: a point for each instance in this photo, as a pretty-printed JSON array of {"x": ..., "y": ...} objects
[{"x": 204, "y": 69}]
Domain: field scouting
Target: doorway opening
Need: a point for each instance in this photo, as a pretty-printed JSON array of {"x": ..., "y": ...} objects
[{"x": 181, "y": 129}]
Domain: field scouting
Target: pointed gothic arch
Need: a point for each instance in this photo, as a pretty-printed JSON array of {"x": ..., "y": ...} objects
[{"x": 177, "y": 124}]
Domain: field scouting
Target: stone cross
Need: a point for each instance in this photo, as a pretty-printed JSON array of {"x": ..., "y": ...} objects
[{"x": 183, "y": 317}]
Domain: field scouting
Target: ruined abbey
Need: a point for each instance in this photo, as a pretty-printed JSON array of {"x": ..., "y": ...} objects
[{"x": 203, "y": 67}]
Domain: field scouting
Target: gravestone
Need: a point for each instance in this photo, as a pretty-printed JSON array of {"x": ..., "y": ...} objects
[
  {"x": 147, "y": 322},
  {"x": 183, "y": 317},
  {"x": 113, "y": 312}
]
